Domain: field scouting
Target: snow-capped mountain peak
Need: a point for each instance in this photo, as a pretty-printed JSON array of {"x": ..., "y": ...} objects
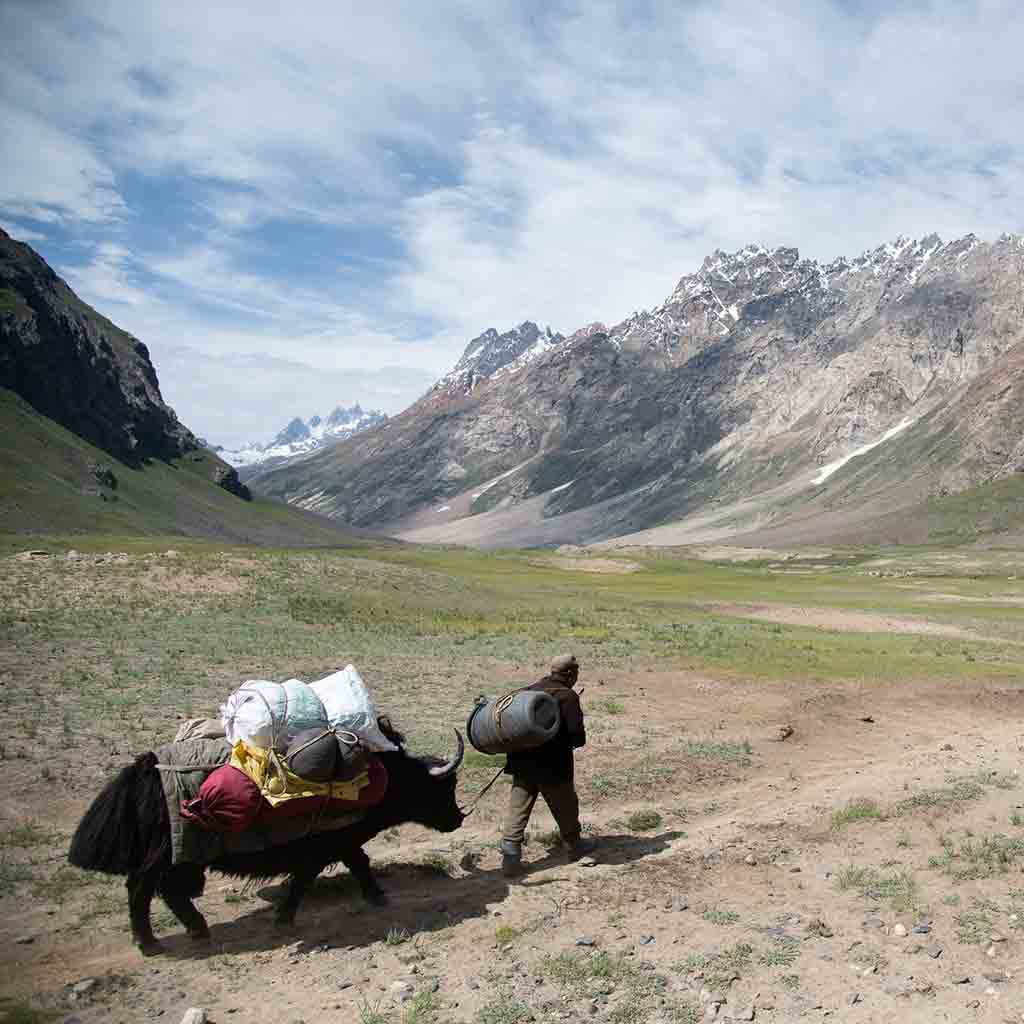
[
  {"x": 491, "y": 355},
  {"x": 300, "y": 437}
]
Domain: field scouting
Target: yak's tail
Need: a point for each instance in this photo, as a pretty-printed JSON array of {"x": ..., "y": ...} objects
[{"x": 126, "y": 825}]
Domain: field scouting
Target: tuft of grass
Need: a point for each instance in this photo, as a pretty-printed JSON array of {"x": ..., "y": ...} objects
[
  {"x": 437, "y": 863},
  {"x": 961, "y": 791},
  {"x": 790, "y": 982},
  {"x": 722, "y": 917},
  {"x": 504, "y": 1010},
  {"x": 421, "y": 1009},
  {"x": 719, "y": 970},
  {"x": 719, "y": 750},
  {"x": 12, "y": 874},
  {"x": 396, "y": 937},
  {"x": 643, "y": 821},
  {"x": 371, "y": 1014},
  {"x": 861, "y": 809},
  {"x": 973, "y": 927},
  {"x": 22, "y": 1013},
  {"x": 505, "y": 934},
  {"x": 26, "y": 834},
  {"x": 574, "y": 970},
  {"x": 986, "y": 857},
  {"x": 783, "y": 952},
  {"x": 898, "y": 887},
  {"x": 609, "y": 706}
]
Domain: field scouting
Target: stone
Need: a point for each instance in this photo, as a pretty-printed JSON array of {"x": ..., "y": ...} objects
[
  {"x": 83, "y": 987},
  {"x": 854, "y": 999},
  {"x": 25, "y": 940},
  {"x": 934, "y": 951},
  {"x": 922, "y": 928},
  {"x": 899, "y": 931},
  {"x": 962, "y": 979},
  {"x": 646, "y": 940},
  {"x": 401, "y": 990},
  {"x": 194, "y": 1015},
  {"x": 586, "y": 862},
  {"x": 750, "y": 859},
  {"x": 873, "y": 923},
  {"x": 746, "y": 1013},
  {"x": 585, "y": 940}
]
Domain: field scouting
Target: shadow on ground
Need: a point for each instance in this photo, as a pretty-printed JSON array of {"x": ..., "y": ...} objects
[{"x": 420, "y": 900}]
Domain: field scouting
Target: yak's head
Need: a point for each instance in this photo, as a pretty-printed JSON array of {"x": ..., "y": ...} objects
[{"x": 424, "y": 786}]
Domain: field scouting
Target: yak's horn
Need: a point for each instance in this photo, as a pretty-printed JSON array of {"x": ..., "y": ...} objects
[{"x": 442, "y": 771}]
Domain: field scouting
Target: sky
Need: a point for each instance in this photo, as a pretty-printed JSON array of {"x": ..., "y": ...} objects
[{"x": 305, "y": 205}]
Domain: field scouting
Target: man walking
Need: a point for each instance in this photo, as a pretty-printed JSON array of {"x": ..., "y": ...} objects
[{"x": 547, "y": 771}]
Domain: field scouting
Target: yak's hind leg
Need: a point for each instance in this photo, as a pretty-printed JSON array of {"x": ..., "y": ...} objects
[
  {"x": 179, "y": 887},
  {"x": 141, "y": 886},
  {"x": 358, "y": 865}
]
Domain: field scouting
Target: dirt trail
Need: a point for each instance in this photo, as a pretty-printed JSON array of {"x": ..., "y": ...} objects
[{"x": 714, "y": 905}]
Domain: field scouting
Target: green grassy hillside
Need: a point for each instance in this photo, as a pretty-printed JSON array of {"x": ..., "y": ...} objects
[{"x": 48, "y": 485}]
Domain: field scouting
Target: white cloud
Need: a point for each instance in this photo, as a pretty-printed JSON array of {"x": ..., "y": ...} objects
[
  {"x": 20, "y": 233},
  {"x": 106, "y": 278},
  {"x": 563, "y": 163},
  {"x": 274, "y": 391}
]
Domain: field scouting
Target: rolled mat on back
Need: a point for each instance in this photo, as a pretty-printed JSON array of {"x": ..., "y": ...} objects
[{"x": 517, "y": 721}]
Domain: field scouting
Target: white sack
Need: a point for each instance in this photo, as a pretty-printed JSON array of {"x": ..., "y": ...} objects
[
  {"x": 349, "y": 706},
  {"x": 266, "y": 714}
]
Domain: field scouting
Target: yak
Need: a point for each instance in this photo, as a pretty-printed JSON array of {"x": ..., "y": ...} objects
[{"x": 126, "y": 831}]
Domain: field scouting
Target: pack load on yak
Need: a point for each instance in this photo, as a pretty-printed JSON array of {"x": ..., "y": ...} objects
[
  {"x": 278, "y": 754},
  {"x": 293, "y": 778}
]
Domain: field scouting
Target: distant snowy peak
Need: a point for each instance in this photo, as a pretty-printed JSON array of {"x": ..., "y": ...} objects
[
  {"x": 491, "y": 355},
  {"x": 300, "y": 437}
]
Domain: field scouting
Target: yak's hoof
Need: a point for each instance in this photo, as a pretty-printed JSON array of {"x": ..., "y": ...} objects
[
  {"x": 199, "y": 932},
  {"x": 150, "y": 947}
]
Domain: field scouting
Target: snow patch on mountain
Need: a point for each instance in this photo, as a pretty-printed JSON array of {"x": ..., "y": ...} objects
[{"x": 833, "y": 467}]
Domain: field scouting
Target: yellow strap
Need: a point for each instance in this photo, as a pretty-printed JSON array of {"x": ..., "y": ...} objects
[{"x": 266, "y": 767}]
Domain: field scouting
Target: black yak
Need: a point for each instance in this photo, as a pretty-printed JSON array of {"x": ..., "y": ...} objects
[{"x": 126, "y": 831}]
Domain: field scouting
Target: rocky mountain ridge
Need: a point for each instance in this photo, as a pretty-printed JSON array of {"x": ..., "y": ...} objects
[
  {"x": 757, "y": 369},
  {"x": 491, "y": 355},
  {"x": 75, "y": 366},
  {"x": 300, "y": 437}
]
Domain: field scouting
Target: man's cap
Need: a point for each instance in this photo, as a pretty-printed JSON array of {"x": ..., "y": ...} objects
[{"x": 564, "y": 662}]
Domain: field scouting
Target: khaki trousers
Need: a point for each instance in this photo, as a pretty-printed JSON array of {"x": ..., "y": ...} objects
[{"x": 559, "y": 796}]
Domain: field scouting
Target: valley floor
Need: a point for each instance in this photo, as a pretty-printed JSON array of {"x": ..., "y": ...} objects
[{"x": 804, "y": 780}]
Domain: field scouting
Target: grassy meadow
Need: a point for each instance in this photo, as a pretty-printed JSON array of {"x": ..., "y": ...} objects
[{"x": 124, "y": 642}]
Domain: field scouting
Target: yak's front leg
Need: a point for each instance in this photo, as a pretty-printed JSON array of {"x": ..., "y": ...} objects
[
  {"x": 178, "y": 888},
  {"x": 298, "y": 886},
  {"x": 141, "y": 887},
  {"x": 359, "y": 865}
]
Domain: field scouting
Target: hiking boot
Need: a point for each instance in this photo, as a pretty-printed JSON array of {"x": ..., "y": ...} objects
[
  {"x": 511, "y": 865},
  {"x": 580, "y": 848}
]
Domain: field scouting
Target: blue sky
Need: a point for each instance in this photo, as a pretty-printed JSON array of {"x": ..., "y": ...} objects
[{"x": 303, "y": 205}]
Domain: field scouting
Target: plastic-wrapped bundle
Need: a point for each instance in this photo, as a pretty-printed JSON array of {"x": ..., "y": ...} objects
[
  {"x": 517, "y": 721},
  {"x": 265, "y": 714},
  {"x": 348, "y": 706}
]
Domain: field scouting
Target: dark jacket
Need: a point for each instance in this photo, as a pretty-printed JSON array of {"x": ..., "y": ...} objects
[{"x": 552, "y": 761}]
